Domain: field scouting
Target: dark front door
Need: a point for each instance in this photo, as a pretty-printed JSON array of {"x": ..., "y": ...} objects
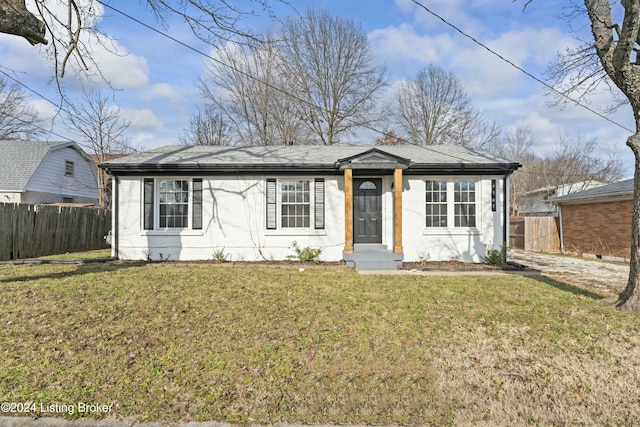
[{"x": 367, "y": 211}]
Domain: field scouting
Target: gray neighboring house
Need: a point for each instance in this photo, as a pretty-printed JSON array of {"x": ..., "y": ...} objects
[
  {"x": 536, "y": 202},
  {"x": 38, "y": 172}
]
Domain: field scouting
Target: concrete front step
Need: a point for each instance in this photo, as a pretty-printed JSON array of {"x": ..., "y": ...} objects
[{"x": 373, "y": 257}]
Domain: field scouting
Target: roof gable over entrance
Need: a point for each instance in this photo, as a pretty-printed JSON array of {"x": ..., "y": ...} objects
[{"x": 374, "y": 159}]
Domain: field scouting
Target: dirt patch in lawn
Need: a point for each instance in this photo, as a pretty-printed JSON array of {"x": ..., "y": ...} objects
[
  {"x": 604, "y": 278},
  {"x": 459, "y": 266}
]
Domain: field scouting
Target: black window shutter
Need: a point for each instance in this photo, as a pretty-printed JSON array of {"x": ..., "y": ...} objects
[
  {"x": 148, "y": 204},
  {"x": 196, "y": 221},
  {"x": 319, "y": 204},
  {"x": 271, "y": 204}
]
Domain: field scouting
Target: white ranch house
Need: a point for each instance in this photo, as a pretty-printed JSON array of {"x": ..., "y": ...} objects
[{"x": 372, "y": 207}]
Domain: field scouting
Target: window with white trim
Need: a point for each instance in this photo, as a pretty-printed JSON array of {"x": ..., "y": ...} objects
[
  {"x": 450, "y": 202},
  {"x": 172, "y": 203},
  {"x": 69, "y": 167},
  {"x": 436, "y": 203},
  {"x": 295, "y": 203},
  {"x": 464, "y": 203}
]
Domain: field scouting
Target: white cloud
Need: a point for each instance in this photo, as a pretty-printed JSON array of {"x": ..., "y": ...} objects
[
  {"x": 148, "y": 141},
  {"x": 119, "y": 67},
  {"x": 142, "y": 119},
  {"x": 405, "y": 51}
]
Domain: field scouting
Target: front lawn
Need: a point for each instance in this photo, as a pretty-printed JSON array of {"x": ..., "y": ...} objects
[{"x": 266, "y": 345}]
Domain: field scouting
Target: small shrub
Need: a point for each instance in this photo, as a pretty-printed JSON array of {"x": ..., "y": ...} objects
[
  {"x": 220, "y": 256},
  {"x": 305, "y": 254},
  {"x": 496, "y": 256},
  {"x": 424, "y": 257}
]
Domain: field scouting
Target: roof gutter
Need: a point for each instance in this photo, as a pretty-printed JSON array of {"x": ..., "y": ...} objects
[{"x": 415, "y": 169}]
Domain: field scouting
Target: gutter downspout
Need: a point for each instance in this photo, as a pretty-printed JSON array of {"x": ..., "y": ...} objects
[
  {"x": 505, "y": 207},
  {"x": 116, "y": 216},
  {"x": 561, "y": 231}
]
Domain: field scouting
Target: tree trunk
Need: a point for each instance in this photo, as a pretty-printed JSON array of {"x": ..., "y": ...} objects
[
  {"x": 629, "y": 298},
  {"x": 17, "y": 20}
]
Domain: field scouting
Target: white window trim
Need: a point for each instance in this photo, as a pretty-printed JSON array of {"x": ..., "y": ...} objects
[
  {"x": 450, "y": 229},
  {"x": 296, "y": 231},
  {"x": 157, "y": 231},
  {"x": 69, "y": 165}
]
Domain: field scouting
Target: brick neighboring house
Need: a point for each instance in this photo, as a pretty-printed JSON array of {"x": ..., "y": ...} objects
[{"x": 597, "y": 221}]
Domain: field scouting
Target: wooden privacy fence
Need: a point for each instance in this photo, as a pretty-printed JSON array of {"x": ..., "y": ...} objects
[
  {"x": 28, "y": 231},
  {"x": 534, "y": 233}
]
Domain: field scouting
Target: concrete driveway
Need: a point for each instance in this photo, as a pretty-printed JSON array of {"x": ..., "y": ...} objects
[{"x": 605, "y": 278}]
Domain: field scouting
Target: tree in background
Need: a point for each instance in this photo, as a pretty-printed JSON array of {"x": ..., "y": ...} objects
[
  {"x": 433, "y": 108},
  {"x": 248, "y": 86},
  {"x": 17, "y": 119},
  {"x": 101, "y": 131},
  {"x": 329, "y": 67},
  {"x": 389, "y": 137},
  {"x": 574, "y": 163},
  {"x": 317, "y": 81},
  {"x": 517, "y": 145},
  {"x": 206, "y": 127}
]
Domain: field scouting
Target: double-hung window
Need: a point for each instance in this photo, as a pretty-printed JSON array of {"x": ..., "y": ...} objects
[
  {"x": 172, "y": 203},
  {"x": 295, "y": 206},
  {"x": 464, "y": 203},
  {"x": 294, "y": 203},
  {"x": 450, "y": 203},
  {"x": 69, "y": 168},
  {"x": 436, "y": 205}
]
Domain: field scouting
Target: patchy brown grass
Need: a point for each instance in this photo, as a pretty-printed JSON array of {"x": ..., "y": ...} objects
[{"x": 173, "y": 342}]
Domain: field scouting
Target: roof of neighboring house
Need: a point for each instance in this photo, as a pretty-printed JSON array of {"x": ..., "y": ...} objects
[
  {"x": 310, "y": 158},
  {"x": 564, "y": 189},
  {"x": 621, "y": 189},
  {"x": 20, "y": 159}
]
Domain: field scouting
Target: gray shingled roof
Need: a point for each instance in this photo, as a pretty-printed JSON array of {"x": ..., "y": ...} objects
[
  {"x": 299, "y": 155},
  {"x": 19, "y": 161},
  {"x": 617, "y": 189}
]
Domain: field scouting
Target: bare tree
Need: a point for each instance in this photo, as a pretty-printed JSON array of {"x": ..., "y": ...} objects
[
  {"x": 67, "y": 23},
  {"x": 433, "y": 108},
  {"x": 517, "y": 145},
  {"x": 575, "y": 164},
  {"x": 389, "y": 137},
  {"x": 248, "y": 86},
  {"x": 206, "y": 127},
  {"x": 18, "y": 120},
  {"x": 611, "y": 58},
  {"x": 329, "y": 68},
  {"x": 477, "y": 132},
  {"x": 101, "y": 131}
]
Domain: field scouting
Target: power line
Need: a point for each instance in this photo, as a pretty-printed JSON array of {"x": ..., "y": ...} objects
[
  {"x": 517, "y": 67},
  {"x": 364, "y": 125},
  {"x": 257, "y": 79}
]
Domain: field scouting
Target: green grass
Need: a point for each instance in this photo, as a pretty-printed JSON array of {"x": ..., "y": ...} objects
[
  {"x": 75, "y": 256},
  {"x": 176, "y": 342}
]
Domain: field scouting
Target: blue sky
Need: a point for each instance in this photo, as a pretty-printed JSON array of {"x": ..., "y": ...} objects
[{"x": 157, "y": 78}]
